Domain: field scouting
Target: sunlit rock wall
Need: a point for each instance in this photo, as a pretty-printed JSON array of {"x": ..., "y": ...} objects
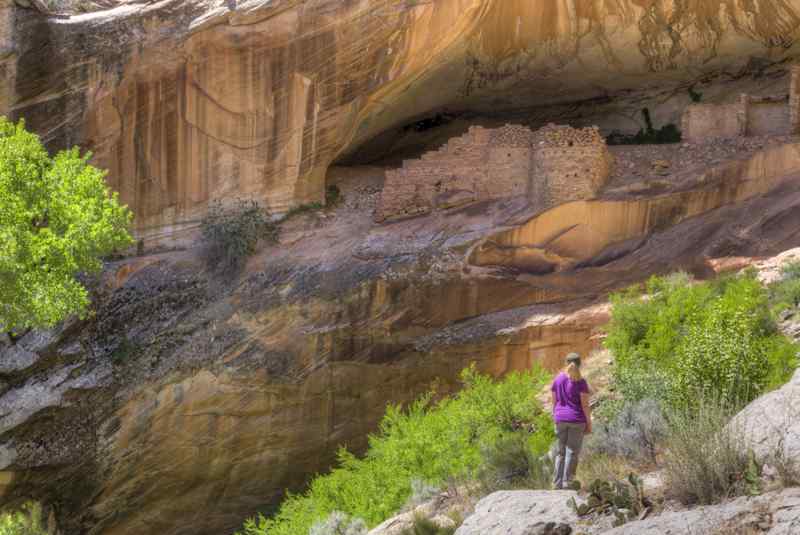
[
  {"x": 575, "y": 232},
  {"x": 185, "y": 102}
]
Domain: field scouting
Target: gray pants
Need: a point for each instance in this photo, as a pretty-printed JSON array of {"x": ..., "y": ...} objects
[{"x": 570, "y": 440}]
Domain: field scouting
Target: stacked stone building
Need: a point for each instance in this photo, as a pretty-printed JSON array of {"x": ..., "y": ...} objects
[
  {"x": 749, "y": 116},
  {"x": 550, "y": 166}
]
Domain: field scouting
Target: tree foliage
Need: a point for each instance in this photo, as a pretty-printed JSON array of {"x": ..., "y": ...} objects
[
  {"x": 27, "y": 521},
  {"x": 57, "y": 219}
]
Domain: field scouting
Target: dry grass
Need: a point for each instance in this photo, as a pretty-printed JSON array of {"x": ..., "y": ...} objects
[
  {"x": 703, "y": 462},
  {"x": 604, "y": 467}
]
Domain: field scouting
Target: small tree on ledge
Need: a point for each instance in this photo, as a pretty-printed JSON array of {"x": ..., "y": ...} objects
[{"x": 57, "y": 220}]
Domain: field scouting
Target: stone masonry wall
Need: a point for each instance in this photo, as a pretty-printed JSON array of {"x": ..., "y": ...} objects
[
  {"x": 794, "y": 100},
  {"x": 707, "y": 121},
  {"x": 555, "y": 164},
  {"x": 767, "y": 116},
  {"x": 568, "y": 164},
  {"x": 750, "y": 116},
  {"x": 455, "y": 174}
]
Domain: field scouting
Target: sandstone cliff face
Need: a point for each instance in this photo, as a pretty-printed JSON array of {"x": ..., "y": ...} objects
[
  {"x": 189, "y": 402},
  {"x": 190, "y": 101}
]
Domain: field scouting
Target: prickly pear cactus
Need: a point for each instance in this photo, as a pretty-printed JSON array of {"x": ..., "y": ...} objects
[{"x": 625, "y": 500}]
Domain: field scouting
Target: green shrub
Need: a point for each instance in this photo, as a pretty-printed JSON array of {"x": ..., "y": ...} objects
[
  {"x": 669, "y": 133},
  {"x": 785, "y": 293},
  {"x": 424, "y": 526},
  {"x": 433, "y": 442},
  {"x": 125, "y": 350},
  {"x": 303, "y": 209},
  {"x": 28, "y": 521},
  {"x": 725, "y": 350},
  {"x": 333, "y": 196},
  {"x": 58, "y": 220},
  {"x": 634, "y": 433},
  {"x": 232, "y": 232},
  {"x": 683, "y": 339},
  {"x": 695, "y": 95},
  {"x": 512, "y": 463},
  {"x": 703, "y": 462},
  {"x": 595, "y": 465}
]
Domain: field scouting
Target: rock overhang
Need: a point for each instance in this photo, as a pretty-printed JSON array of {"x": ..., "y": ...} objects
[{"x": 185, "y": 102}]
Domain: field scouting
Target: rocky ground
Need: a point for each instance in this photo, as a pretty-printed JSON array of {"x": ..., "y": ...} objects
[{"x": 547, "y": 513}]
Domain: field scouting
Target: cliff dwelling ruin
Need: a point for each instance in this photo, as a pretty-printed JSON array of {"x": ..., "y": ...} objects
[
  {"x": 552, "y": 165},
  {"x": 749, "y": 116}
]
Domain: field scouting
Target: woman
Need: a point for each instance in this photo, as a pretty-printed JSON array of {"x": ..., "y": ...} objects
[{"x": 570, "y": 395}]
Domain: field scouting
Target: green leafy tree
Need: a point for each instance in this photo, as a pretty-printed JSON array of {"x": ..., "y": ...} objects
[{"x": 57, "y": 219}]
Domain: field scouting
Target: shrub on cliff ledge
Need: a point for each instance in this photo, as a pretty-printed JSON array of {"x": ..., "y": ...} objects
[
  {"x": 57, "y": 219},
  {"x": 430, "y": 441},
  {"x": 231, "y": 233}
]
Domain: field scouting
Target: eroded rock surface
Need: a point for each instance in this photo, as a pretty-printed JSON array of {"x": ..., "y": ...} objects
[
  {"x": 522, "y": 512},
  {"x": 441, "y": 509},
  {"x": 770, "y": 425},
  {"x": 185, "y": 389},
  {"x": 187, "y": 101},
  {"x": 775, "y": 513},
  {"x": 547, "y": 513}
]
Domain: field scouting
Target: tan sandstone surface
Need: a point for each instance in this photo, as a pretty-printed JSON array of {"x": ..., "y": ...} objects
[{"x": 188, "y": 101}]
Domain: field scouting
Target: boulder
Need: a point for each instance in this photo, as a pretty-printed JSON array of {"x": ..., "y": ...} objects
[
  {"x": 770, "y": 425},
  {"x": 775, "y": 513},
  {"x": 522, "y": 513},
  {"x": 14, "y": 358}
]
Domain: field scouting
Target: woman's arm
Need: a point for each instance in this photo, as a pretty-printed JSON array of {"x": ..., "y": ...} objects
[{"x": 587, "y": 411}]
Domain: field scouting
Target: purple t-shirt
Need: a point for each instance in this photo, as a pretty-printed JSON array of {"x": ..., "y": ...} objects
[{"x": 568, "y": 399}]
